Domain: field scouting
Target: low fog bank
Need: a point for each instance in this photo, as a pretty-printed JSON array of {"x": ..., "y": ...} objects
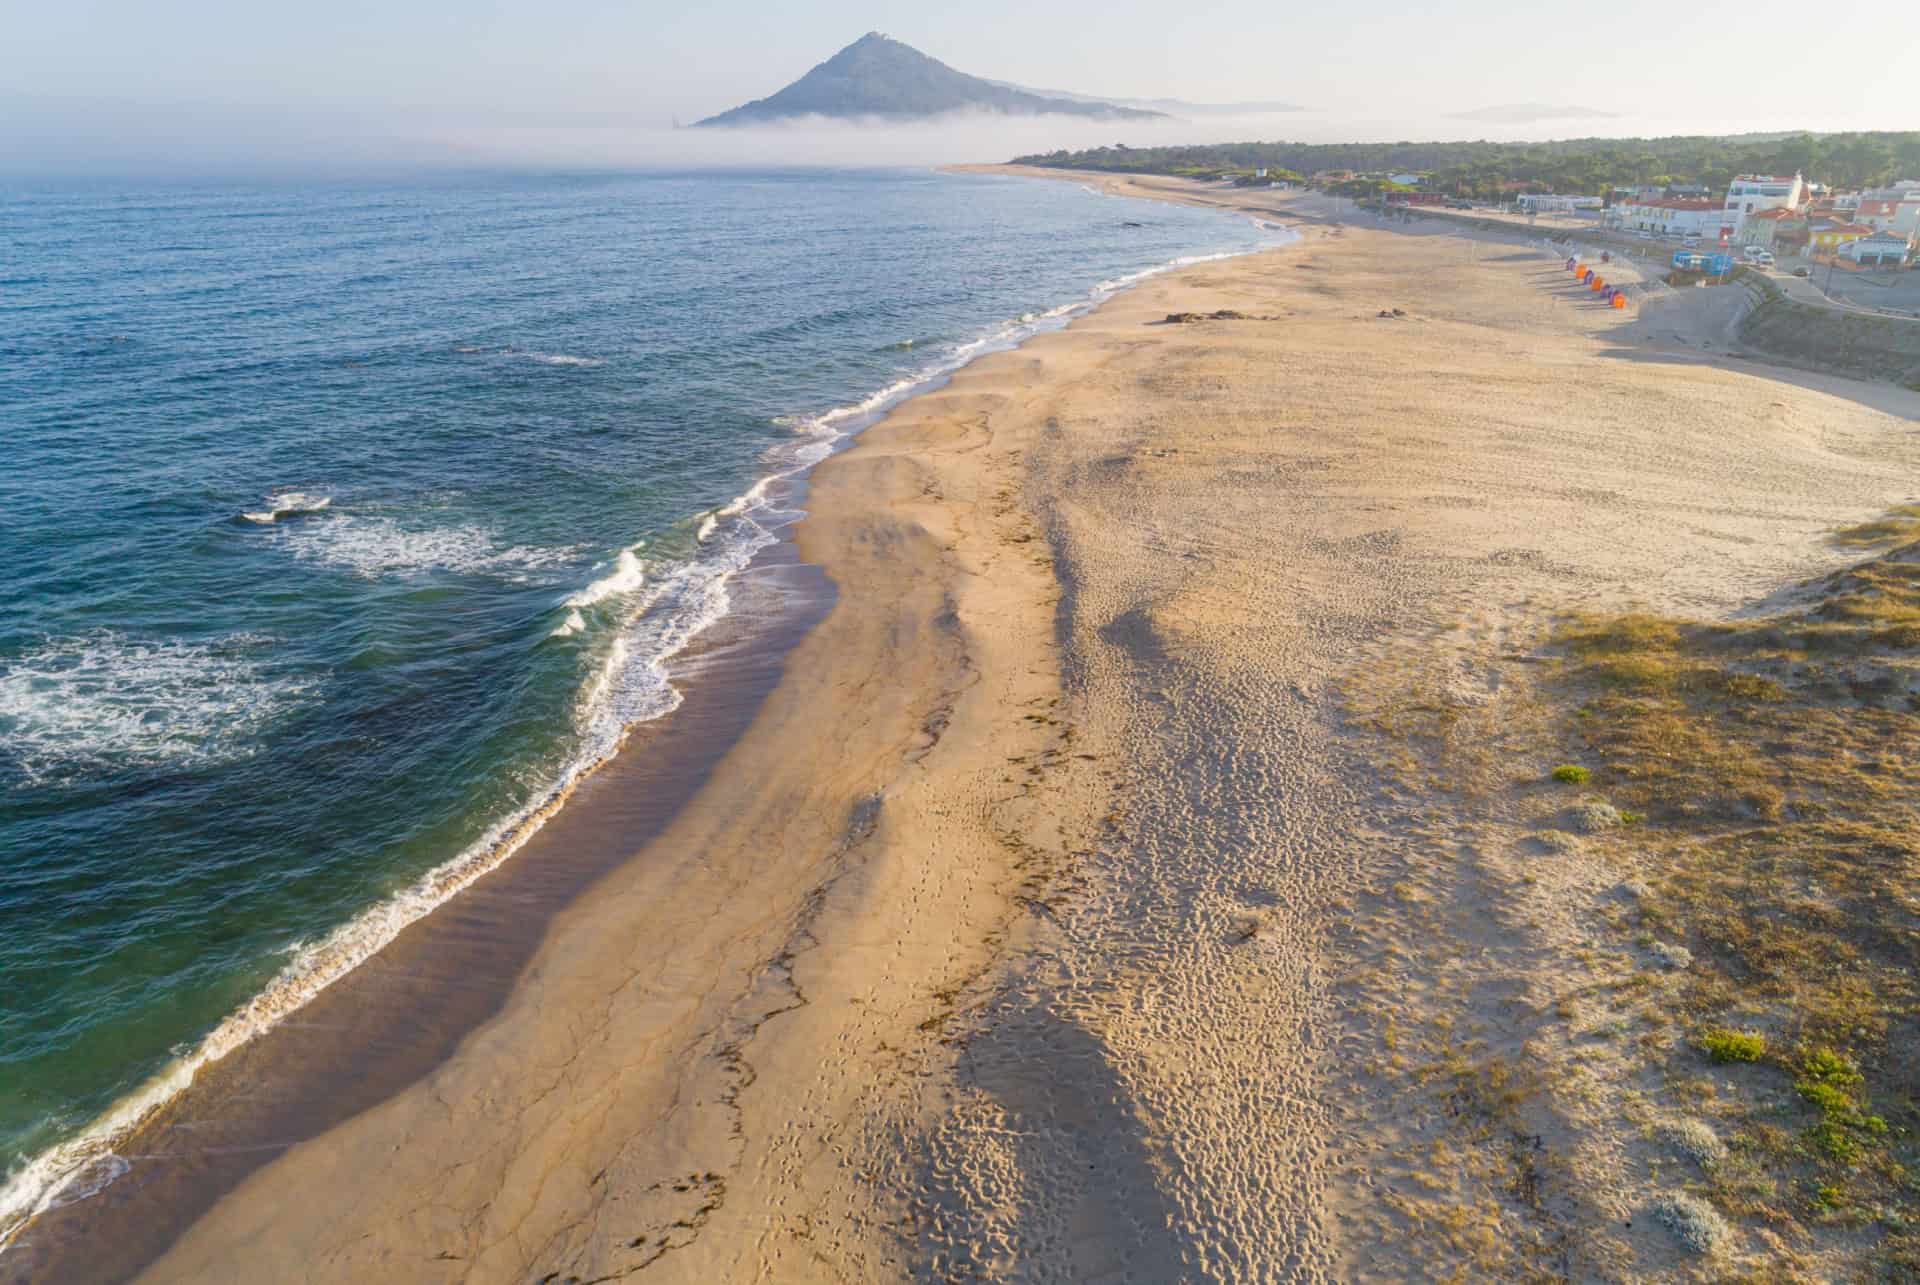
[
  {"x": 144, "y": 140},
  {"x": 123, "y": 139}
]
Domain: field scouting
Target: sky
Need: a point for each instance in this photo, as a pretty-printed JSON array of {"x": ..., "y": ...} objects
[{"x": 106, "y": 82}]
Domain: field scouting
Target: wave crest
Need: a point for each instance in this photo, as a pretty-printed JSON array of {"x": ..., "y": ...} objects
[{"x": 283, "y": 504}]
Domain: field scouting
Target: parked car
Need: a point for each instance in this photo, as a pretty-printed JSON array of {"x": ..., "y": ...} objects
[
  {"x": 1802, "y": 272},
  {"x": 1690, "y": 243},
  {"x": 1764, "y": 258}
]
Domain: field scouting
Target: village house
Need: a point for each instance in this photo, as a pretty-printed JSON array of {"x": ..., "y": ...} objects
[
  {"x": 1748, "y": 194},
  {"x": 1671, "y": 216},
  {"x": 1900, "y": 217},
  {"x": 1771, "y": 229},
  {"x": 1881, "y": 250},
  {"x": 1553, "y": 203},
  {"x": 1826, "y": 236}
]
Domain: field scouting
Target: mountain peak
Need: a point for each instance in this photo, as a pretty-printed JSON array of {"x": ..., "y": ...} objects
[{"x": 878, "y": 76}]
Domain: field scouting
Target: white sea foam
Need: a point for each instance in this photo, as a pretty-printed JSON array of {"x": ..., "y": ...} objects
[
  {"x": 627, "y": 575},
  {"x": 567, "y": 628},
  {"x": 282, "y": 504},
  {"x": 105, "y": 700},
  {"x": 376, "y": 547},
  {"x": 629, "y": 685},
  {"x": 544, "y": 358},
  {"x": 707, "y": 526}
]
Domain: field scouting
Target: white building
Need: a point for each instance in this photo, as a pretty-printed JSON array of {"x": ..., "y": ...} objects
[
  {"x": 1882, "y": 249},
  {"x": 1671, "y": 216},
  {"x": 1899, "y": 216},
  {"x": 1750, "y": 193},
  {"x": 1549, "y": 203}
]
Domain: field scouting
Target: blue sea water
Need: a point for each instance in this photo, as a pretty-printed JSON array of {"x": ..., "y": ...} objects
[{"x": 342, "y": 525}]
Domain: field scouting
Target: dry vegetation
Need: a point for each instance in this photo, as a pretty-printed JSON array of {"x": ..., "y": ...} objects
[{"x": 1666, "y": 1005}]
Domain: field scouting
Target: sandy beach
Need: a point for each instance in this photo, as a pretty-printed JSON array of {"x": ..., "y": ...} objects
[{"x": 1050, "y": 917}]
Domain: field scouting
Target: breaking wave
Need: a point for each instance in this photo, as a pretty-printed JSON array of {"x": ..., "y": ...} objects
[{"x": 283, "y": 504}]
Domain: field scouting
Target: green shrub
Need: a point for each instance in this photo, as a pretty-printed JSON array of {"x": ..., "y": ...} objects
[
  {"x": 1834, "y": 1142},
  {"x": 1723, "y": 1045},
  {"x": 1824, "y": 1066},
  {"x": 1831, "y": 1099},
  {"x": 1571, "y": 774}
]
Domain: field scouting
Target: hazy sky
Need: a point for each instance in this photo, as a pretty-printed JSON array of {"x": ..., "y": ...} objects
[{"x": 129, "y": 76}]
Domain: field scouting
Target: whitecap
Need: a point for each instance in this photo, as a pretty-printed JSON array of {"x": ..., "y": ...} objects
[
  {"x": 378, "y": 547},
  {"x": 567, "y": 628},
  {"x": 627, "y": 575},
  {"x": 281, "y": 504},
  {"x": 103, "y": 700}
]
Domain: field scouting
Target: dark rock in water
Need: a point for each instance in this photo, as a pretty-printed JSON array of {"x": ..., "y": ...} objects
[{"x": 1133, "y": 225}]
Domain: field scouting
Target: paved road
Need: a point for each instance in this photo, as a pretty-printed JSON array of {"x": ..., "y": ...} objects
[{"x": 1850, "y": 294}]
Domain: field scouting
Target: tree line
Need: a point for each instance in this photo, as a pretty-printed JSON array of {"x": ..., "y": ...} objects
[{"x": 1580, "y": 166}]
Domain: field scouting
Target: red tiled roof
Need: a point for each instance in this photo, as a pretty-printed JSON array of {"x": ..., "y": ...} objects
[
  {"x": 1775, "y": 214},
  {"x": 1879, "y": 207}
]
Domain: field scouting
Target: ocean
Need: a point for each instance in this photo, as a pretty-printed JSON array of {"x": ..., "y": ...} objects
[{"x": 344, "y": 526}]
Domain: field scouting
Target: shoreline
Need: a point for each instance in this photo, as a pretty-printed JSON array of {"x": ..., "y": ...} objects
[
  {"x": 843, "y": 1040},
  {"x": 225, "y": 1056},
  {"x": 402, "y": 1010}
]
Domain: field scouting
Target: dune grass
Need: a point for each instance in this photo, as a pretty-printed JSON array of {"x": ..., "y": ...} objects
[
  {"x": 1777, "y": 762},
  {"x": 1900, "y": 523}
]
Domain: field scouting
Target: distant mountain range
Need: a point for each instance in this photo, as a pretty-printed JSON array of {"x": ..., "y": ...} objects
[
  {"x": 1527, "y": 113},
  {"x": 877, "y": 76}
]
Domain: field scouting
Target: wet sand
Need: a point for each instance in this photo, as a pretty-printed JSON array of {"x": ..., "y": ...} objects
[{"x": 1004, "y": 941}]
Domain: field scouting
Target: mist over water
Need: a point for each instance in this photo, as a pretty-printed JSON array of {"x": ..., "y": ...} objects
[{"x": 92, "y": 137}]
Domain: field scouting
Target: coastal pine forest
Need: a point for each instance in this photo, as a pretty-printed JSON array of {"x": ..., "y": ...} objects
[{"x": 1486, "y": 170}]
